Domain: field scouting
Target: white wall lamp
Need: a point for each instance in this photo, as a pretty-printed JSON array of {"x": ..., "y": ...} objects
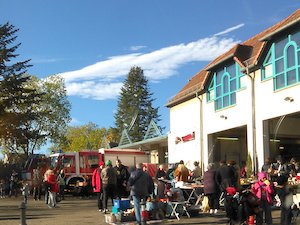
[
  {"x": 223, "y": 117},
  {"x": 289, "y": 99}
]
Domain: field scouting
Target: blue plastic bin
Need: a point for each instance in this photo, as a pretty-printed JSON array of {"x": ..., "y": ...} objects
[{"x": 122, "y": 204}]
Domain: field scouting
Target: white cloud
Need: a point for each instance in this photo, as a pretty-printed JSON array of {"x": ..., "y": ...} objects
[
  {"x": 230, "y": 29},
  {"x": 102, "y": 80},
  {"x": 75, "y": 122},
  {"x": 94, "y": 90},
  {"x": 45, "y": 60},
  {"x": 137, "y": 47}
]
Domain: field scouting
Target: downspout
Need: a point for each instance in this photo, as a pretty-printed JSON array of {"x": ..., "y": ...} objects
[
  {"x": 201, "y": 131},
  {"x": 253, "y": 114}
]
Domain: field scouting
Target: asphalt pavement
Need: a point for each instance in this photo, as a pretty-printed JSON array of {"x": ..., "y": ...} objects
[{"x": 78, "y": 211}]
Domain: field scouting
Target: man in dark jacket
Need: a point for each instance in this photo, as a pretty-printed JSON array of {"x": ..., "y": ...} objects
[
  {"x": 141, "y": 187},
  {"x": 280, "y": 168},
  {"x": 226, "y": 176},
  {"x": 122, "y": 178},
  {"x": 285, "y": 194}
]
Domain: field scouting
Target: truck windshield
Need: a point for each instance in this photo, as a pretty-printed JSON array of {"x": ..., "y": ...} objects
[{"x": 54, "y": 160}]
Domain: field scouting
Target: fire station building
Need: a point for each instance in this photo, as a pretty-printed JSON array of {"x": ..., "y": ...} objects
[{"x": 244, "y": 105}]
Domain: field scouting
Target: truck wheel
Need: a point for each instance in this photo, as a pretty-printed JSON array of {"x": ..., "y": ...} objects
[{"x": 73, "y": 185}]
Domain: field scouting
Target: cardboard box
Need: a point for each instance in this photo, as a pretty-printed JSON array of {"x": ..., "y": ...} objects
[
  {"x": 125, "y": 217},
  {"x": 110, "y": 218}
]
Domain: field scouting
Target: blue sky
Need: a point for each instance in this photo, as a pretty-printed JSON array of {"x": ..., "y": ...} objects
[{"x": 94, "y": 43}]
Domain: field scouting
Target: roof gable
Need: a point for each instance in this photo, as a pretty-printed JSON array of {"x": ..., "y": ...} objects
[
  {"x": 125, "y": 139},
  {"x": 246, "y": 54},
  {"x": 152, "y": 131}
]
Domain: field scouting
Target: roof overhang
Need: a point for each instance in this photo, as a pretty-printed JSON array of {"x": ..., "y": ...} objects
[
  {"x": 224, "y": 59},
  {"x": 270, "y": 35},
  {"x": 184, "y": 98},
  {"x": 148, "y": 144}
]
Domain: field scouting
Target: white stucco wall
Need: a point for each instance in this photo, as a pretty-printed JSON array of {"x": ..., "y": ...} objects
[
  {"x": 237, "y": 116},
  {"x": 184, "y": 119},
  {"x": 255, "y": 115},
  {"x": 271, "y": 104}
]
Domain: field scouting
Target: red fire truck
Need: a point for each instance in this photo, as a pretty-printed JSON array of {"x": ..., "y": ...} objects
[
  {"x": 79, "y": 166},
  {"x": 33, "y": 161}
]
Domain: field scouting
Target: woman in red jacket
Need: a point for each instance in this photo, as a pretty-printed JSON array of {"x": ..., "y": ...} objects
[
  {"x": 264, "y": 190},
  {"x": 96, "y": 183},
  {"x": 52, "y": 180}
]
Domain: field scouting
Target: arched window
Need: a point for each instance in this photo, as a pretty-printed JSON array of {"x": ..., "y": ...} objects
[
  {"x": 223, "y": 86},
  {"x": 282, "y": 61},
  {"x": 290, "y": 53},
  {"x": 226, "y": 89},
  {"x": 290, "y": 63},
  {"x": 267, "y": 70}
]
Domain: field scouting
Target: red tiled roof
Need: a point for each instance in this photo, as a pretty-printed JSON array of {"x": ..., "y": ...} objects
[
  {"x": 246, "y": 53},
  {"x": 194, "y": 85}
]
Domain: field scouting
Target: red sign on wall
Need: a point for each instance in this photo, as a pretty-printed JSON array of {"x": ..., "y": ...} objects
[{"x": 185, "y": 138}]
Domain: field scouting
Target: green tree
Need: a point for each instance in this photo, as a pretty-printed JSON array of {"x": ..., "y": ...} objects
[
  {"x": 17, "y": 99},
  {"x": 47, "y": 117},
  {"x": 32, "y": 111},
  {"x": 112, "y": 135},
  {"x": 52, "y": 112},
  {"x": 77, "y": 138},
  {"x": 135, "y": 109}
]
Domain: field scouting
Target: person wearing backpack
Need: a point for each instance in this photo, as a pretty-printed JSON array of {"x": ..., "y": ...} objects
[
  {"x": 61, "y": 184},
  {"x": 109, "y": 184},
  {"x": 141, "y": 187},
  {"x": 37, "y": 183}
]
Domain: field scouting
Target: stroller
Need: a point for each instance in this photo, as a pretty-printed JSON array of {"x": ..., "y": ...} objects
[{"x": 239, "y": 206}]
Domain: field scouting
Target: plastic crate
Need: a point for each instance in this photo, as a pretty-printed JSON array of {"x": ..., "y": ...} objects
[
  {"x": 122, "y": 204},
  {"x": 115, "y": 210}
]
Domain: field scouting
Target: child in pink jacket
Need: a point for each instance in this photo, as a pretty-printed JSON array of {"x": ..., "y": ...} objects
[{"x": 264, "y": 190}]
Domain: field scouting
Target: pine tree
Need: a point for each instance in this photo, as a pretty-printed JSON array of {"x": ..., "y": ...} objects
[
  {"x": 135, "y": 109},
  {"x": 16, "y": 99},
  {"x": 32, "y": 111}
]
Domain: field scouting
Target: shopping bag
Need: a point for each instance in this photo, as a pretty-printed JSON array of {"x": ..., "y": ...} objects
[{"x": 205, "y": 205}]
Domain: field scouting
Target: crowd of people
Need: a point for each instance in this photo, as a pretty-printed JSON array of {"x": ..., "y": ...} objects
[
  {"x": 271, "y": 186},
  {"x": 10, "y": 187},
  {"x": 219, "y": 179},
  {"x": 117, "y": 182},
  {"x": 13, "y": 186},
  {"x": 135, "y": 183},
  {"x": 51, "y": 184}
]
